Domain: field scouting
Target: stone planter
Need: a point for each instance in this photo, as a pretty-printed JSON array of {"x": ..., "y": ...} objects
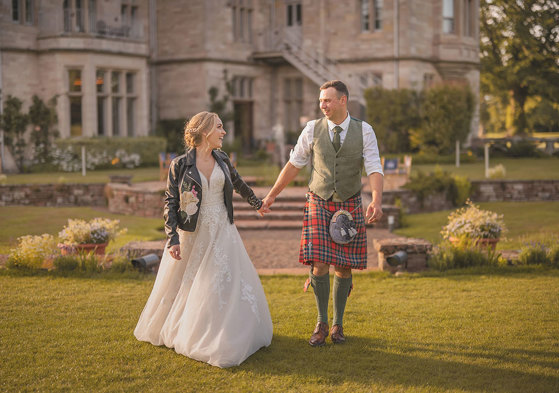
[
  {"x": 483, "y": 243},
  {"x": 70, "y": 249}
]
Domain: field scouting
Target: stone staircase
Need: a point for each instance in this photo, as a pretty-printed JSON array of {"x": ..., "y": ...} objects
[
  {"x": 311, "y": 63},
  {"x": 287, "y": 211}
]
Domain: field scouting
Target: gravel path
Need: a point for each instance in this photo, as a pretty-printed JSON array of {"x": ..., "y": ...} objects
[{"x": 276, "y": 252}]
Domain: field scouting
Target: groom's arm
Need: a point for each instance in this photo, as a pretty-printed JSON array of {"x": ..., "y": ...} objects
[{"x": 287, "y": 174}]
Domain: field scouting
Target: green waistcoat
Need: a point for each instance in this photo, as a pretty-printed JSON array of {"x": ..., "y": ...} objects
[{"x": 339, "y": 172}]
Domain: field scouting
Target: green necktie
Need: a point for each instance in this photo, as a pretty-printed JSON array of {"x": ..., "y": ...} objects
[{"x": 337, "y": 142}]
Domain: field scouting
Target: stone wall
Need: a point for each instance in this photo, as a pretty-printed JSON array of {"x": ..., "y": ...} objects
[
  {"x": 135, "y": 200},
  {"x": 515, "y": 190},
  {"x": 53, "y": 195}
]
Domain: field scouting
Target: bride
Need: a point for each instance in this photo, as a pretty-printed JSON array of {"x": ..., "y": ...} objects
[{"x": 207, "y": 301}]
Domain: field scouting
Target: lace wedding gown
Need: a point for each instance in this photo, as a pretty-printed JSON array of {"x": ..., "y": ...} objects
[{"x": 210, "y": 305}]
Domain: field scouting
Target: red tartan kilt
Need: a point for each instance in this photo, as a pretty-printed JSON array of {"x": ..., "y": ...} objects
[{"x": 316, "y": 243}]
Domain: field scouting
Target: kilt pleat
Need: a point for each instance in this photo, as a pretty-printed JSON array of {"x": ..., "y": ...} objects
[{"x": 316, "y": 243}]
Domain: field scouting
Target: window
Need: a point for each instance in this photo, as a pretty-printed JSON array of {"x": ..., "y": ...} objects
[
  {"x": 29, "y": 12},
  {"x": 365, "y": 15},
  {"x": 92, "y": 15},
  {"x": 448, "y": 16},
  {"x": 15, "y": 10},
  {"x": 130, "y": 103},
  {"x": 469, "y": 18},
  {"x": 79, "y": 16},
  {"x": 377, "y": 5},
  {"x": 241, "y": 87},
  {"x": 294, "y": 15},
  {"x": 293, "y": 103},
  {"x": 116, "y": 102},
  {"x": 23, "y": 11},
  {"x": 369, "y": 19},
  {"x": 242, "y": 14},
  {"x": 100, "y": 81},
  {"x": 75, "y": 101}
]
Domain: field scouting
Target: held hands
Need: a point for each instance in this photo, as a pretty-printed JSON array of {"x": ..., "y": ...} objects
[
  {"x": 266, "y": 203},
  {"x": 263, "y": 209},
  {"x": 374, "y": 212},
  {"x": 175, "y": 251}
]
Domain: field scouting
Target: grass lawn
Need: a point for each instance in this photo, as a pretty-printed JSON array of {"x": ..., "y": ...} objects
[
  {"x": 516, "y": 168},
  {"x": 30, "y": 220},
  {"x": 266, "y": 171},
  {"x": 458, "y": 332},
  {"x": 526, "y": 221}
]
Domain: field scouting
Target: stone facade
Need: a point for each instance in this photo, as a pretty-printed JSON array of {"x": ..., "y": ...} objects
[{"x": 274, "y": 53}]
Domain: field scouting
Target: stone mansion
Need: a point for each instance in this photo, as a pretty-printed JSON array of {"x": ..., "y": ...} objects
[{"x": 120, "y": 66}]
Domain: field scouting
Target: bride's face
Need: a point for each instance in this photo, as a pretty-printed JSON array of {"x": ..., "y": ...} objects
[{"x": 215, "y": 136}]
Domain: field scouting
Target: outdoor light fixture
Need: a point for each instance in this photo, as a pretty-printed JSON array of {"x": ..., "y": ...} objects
[
  {"x": 147, "y": 262},
  {"x": 398, "y": 259}
]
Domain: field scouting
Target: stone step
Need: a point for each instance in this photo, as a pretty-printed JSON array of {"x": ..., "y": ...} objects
[
  {"x": 268, "y": 224},
  {"x": 278, "y": 206},
  {"x": 283, "y": 216}
]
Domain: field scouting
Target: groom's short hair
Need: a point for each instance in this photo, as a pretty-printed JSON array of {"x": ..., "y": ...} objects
[{"x": 338, "y": 85}]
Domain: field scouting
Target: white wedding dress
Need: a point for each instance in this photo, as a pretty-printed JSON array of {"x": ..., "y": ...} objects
[{"x": 210, "y": 305}]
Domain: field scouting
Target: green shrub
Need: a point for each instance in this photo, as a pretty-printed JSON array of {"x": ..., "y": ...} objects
[
  {"x": 446, "y": 114},
  {"x": 553, "y": 255},
  {"x": 66, "y": 263},
  {"x": 457, "y": 189},
  {"x": 393, "y": 113},
  {"x": 173, "y": 132},
  {"x": 433, "y": 157},
  {"x": 103, "y": 153},
  {"x": 119, "y": 263},
  {"x": 533, "y": 254},
  {"x": 32, "y": 251},
  {"x": 522, "y": 148},
  {"x": 465, "y": 254},
  {"x": 463, "y": 190}
]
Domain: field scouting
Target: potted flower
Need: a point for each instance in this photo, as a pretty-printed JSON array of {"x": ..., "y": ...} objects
[
  {"x": 482, "y": 227},
  {"x": 94, "y": 235}
]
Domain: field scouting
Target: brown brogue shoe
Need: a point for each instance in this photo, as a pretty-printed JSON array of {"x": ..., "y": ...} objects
[
  {"x": 337, "y": 334},
  {"x": 319, "y": 334}
]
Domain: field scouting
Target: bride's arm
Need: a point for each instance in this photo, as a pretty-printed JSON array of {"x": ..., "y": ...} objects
[
  {"x": 240, "y": 186},
  {"x": 172, "y": 203}
]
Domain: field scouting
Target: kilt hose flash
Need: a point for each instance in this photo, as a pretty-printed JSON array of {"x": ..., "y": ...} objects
[{"x": 316, "y": 243}]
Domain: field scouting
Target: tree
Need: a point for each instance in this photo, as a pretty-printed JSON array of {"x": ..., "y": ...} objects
[
  {"x": 446, "y": 115},
  {"x": 520, "y": 52},
  {"x": 43, "y": 117},
  {"x": 393, "y": 113},
  {"x": 14, "y": 123}
]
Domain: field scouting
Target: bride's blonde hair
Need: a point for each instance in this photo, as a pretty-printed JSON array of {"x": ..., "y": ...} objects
[{"x": 199, "y": 126}]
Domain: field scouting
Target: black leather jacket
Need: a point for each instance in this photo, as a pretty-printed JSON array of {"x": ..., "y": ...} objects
[{"x": 184, "y": 182}]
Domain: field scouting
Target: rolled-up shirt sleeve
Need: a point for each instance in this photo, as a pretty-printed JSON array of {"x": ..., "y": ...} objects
[
  {"x": 300, "y": 156},
  {"x": 371, "y": 154}
]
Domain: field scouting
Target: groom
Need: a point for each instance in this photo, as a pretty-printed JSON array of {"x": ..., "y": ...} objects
[{"x": 337, "y": 146}]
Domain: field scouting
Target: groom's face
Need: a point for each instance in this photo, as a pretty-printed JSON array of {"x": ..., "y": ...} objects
[{"x": 333, "y": 104}]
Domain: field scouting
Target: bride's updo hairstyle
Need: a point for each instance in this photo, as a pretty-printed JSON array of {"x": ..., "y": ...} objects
[{"x": 198, "y": 127}]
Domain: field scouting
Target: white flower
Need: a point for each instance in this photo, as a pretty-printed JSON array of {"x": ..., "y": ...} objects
[{"x": 191, "y": 209}]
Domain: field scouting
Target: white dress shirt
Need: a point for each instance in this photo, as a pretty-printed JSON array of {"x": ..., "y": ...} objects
[{"x": 301, "y": 154}]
